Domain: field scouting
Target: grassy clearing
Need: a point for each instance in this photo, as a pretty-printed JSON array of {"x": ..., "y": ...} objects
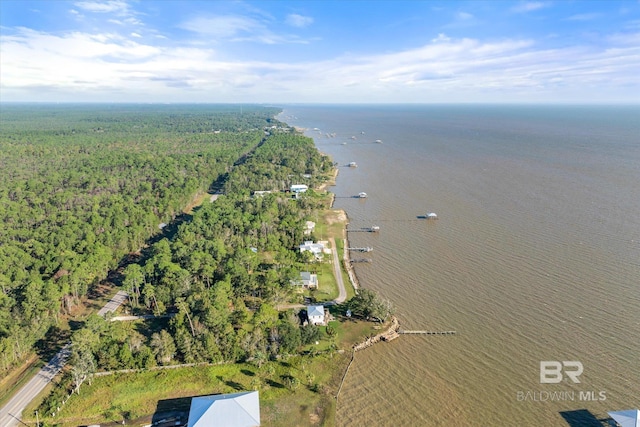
[
  {"x": 198, "y": 200},
  {"x": 327, "y": 285},
  {"x": 306, "y": 400}
]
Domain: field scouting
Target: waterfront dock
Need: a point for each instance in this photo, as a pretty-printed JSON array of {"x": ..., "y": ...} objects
[
  {"x": 366, "y": 249},
  {"x": 373, "y": 229},
  {"x": 427, "y": 332}
]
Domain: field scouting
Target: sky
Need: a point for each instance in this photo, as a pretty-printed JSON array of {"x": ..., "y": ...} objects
[{"x": 560, "y": 51}]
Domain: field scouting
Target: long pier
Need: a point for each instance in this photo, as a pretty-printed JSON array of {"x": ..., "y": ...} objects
[
  {"x": 373, "y": 229},
  {"x": 427, "y": 332},
  {"x": 364, "y": 249}
]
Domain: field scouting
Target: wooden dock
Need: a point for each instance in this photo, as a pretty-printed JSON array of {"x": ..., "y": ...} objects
[
  {"x": 427, "y": 332},
  {"x": 363, "y": 249},
  {"x": 373, "y": 229},
  {"x": 394, "y": 332}
]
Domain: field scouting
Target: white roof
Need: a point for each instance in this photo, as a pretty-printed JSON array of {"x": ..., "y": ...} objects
[
  {"x": 628, "y": 418},
  {"x": 315, "y": 310},
  {"x": 228, "y": 410},
  {"x": 315, "y": 248}
]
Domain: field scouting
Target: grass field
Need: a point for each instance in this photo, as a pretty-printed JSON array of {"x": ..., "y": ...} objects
[{"x": 136, "y": 397}]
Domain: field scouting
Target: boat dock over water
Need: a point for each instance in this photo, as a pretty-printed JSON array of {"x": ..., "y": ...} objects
[
  {"x": 365, "y": 249},
  {"x": 373, "y": 229}
]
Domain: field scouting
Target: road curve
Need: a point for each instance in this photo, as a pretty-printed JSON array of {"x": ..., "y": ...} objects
[{"x": 11, "y": 413}]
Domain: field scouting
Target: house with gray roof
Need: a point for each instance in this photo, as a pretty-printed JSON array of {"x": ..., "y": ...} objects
[
  {"x": 306, "y": 280},
  {"x": 315, "y": 313}
]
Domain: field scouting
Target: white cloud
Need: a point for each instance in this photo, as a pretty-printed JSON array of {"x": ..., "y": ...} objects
[
  {"x": 298, "y": 21},
  {"x": 583, "y": 17},
  {"x": 107, "y": 66},
  {"x": 110, "y": 6},
  {"x": 625, "y": 38},
  {"x": 136, "y": 35},
  {"x": 238, "y": 28},
  {"x": 529, "y": 6},
  {"x": 441, "y": 38},
  {"x": 461, "y": 20},
  {"x": 222, "y": 26}
]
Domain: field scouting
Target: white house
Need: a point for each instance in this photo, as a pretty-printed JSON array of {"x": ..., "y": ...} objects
[
  {"x": 315, "y": 313},
  {"x": 228, "y": 410},
  {"x": 307, "y": 280},
  {"x": 299, "y": 188},
  {"x": 315, "y": 248}
]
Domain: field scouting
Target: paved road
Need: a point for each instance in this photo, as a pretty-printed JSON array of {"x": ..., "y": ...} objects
[
  {"x": 11, "y": 413},
  {"x": 337, "y": 271},
  {"x": 115, "y": 302},
  {"x": 143, "y": 317}
]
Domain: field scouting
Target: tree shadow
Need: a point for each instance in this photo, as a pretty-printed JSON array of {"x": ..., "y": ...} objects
[
  {"x": 583, "y": 418},
  {"x": 234, "y": 385},
  {"x": 338, "y": 310},
  {"x": 74, "y": 325},
  {"x": 53, "y": 341},
  {"x": 248, "y": 372},
  {"x": 274, "y": 384}
]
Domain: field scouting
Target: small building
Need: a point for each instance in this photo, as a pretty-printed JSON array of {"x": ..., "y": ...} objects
[
  {"x": 299, "y": 188},
  {"x": 309, "y": 227},
  {"x": 261, "y": 193},
  {"x": 315, "y": 313},
  {"x": 306, "y": 280},
  {"x": 225, "y": 410}
]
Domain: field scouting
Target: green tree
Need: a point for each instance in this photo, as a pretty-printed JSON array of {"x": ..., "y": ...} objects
[{"x": 368, "y": 304}]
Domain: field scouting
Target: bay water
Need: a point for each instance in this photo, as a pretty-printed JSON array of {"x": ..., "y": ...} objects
[{"x": 535, "y": 257}]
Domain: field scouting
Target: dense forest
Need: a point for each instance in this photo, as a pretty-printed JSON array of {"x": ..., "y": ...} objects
[
  {"x": 222, "y": 274},
  {"x": 219, "y": 277},
  {"x": 83, "y": 186}
]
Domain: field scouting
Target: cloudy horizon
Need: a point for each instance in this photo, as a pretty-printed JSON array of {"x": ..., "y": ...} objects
[{"x": 319, "y": 52}]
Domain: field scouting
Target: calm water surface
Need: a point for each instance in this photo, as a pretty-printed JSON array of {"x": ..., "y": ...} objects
[{"x": 535, "y": 257}]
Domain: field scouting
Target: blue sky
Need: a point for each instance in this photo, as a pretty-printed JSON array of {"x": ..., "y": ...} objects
[{"x": 320, "y": 51}]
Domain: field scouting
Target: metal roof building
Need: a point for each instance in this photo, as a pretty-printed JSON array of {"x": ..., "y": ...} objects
[
  {"x": 629, "y": 418},
  {"x": 228, "y": 410}
]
